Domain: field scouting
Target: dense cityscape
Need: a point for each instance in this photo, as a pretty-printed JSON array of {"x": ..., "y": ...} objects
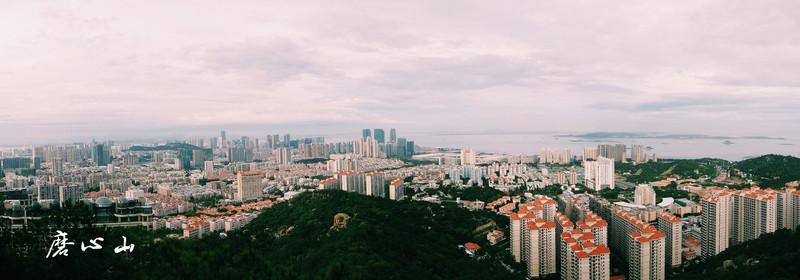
[{"x": 605, "y": 212}]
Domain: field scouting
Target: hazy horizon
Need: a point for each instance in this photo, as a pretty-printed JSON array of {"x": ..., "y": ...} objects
[{"x": 123, "y": 70}]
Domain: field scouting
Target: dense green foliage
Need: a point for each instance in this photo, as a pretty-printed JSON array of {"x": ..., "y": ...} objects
[
  {"x": 679, "y": 168},
  {"x": 772, "y": 256},
  {"x": 670, "y": 190},
  {"x": 485, "y": 194},
  {"x": 382, "y": 239},
  {"x": 771, "y": 170},
  {"x": 311, "y": 160},
  {"x": 552, "y": 190}
]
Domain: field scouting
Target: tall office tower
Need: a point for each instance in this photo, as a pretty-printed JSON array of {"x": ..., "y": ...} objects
[
  {"x": 617, "y": 152},
  {"x": 276, "y": 140},
  {"x": 396, "y": 191},
  {"x": 646, "y": 259},
  {"x": 287, "y": 140},
  {"x": 392, "y": 135},
  {"x": 352, "y": 181},
  {"x": 583, "y": 259},
  {"x": 213, "y": 143},
  {"x": 376, "y": 184},
  {"x": 379, "y": 135},
  {"x": 200, "y": 156},
  {"x": 670, "y": 225},
  {"x": 754, "y": 214},
  {"x": 239, "y": 154},
  {"x": 366, "y": 133},
  {"x": 223, "y": 140},
  {"x": 784, "y": 208},
  {"x": 644, "y": 195},
  {"x": 246, "y": 142},
  {"x": 468, "y": 156},
  {"x": 36, "y": 157},
  {"x": 100, "y": 155},
  {"x": 596, "y": 225},
  {"x": 409, "y": 149},
  {"x": 590, "y": 153},
  {"x": 541, "y": 248},
  {"x": 402, "y": 145},
  {"x": 599, "y": 174},
  {"x": 638, "y": 153},
  {"x": 72, "y": 193},
  {"x": 248, "y": 185},
  {"x": 716, "y": 219},
  {"x": 283, "y": 156},
  {"x": 208, "y": 168}
]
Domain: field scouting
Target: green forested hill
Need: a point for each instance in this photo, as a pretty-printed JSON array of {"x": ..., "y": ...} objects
[
  {"x": 771, "y": 170},
  {"x": 680, "y": 168},
  {"x": 382, "y": 239},
  {"x": 773, "y": 256}
]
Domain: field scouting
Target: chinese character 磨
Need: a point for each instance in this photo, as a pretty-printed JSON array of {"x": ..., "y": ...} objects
[{"x": 60, "y": 243}]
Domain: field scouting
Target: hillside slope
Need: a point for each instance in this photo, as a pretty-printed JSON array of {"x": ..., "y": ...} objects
[
  {"x": 771, "y": 170},
  {"x": 372, "y": 239}
]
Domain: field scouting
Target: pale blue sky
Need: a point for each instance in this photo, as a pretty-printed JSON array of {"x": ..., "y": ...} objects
[{"x": 79, "y": 69}]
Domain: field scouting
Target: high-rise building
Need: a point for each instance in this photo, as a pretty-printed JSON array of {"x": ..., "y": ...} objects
[
  {"x": 375, "y": 184},
  {"x": 366, "y": 133},
  {"x": 784, "y": 208},
  {"x": 100, "y": 154},
  {"x": 208, "y": 168},
  {"x": 379, "y": 135},
  {"x": 596, "y": 225},
  {"x": 287, "y": 140},
  {"x": 646, "y": 255},
  {"x": 248, "y": 185},
  {"x": 392, "y": 135},
  {"x": 617, "y": 152},
  {"x": 409, "y": 149},
  {"x": 599, "y": 174},
  {"x": 670, "y": 225},
  {"x": 396, "y": 191},
  {"x": 200, "y": 156},
  {"x": 581, "y": 258},
  {"x": 754, "y": 213},
  {"x": 540, "y": 248},
  {"x": 638, "y": 153},
  {"x": 590, "y": 153},
  {"x": 715, "y": 220},
  {"x": 69, "y": 193},
  {"x": 223, "y": 140},
  {"x": 644, "y": 195},
  {"x": 468, "y": 156},
  {"x": 329, "y": 184},
  {"x": 352, "y": 181},
  {"x": 283, "y": 156},
  {"x": 239, "y": 154}
]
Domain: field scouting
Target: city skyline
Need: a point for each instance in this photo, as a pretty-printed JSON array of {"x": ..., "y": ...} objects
[{"x": 114, "y": 71}]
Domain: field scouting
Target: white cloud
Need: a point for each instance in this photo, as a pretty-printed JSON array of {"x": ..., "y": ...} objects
[{"x": 81, "y": 69}]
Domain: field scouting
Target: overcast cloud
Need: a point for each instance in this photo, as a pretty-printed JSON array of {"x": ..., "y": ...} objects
[{"x": 76, "y": 69}]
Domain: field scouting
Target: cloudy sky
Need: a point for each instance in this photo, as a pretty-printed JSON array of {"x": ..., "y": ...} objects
[{"x": 77, "y": 69}]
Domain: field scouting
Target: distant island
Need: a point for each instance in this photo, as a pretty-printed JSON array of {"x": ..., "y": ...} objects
[{"x": 642, "y": 135}]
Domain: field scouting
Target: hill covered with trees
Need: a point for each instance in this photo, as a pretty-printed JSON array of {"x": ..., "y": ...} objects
[
  {"x": 772, "y": 256},
  {"x": 680, "y": 168},
  {"x": 319, "y": 235},
  {"x": 771, "y": 170}
]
